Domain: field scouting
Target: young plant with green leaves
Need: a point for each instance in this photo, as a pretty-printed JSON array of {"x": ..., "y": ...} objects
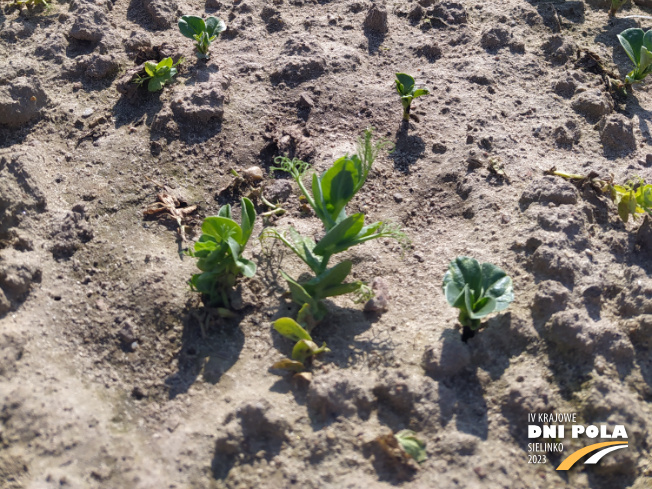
[
  {"x": 304, "y": 347},
  {"x": 204, "y": 32},
  {"x": 476, "y": 290},
  {"x": 219, "y": 254},
  {"x": 414, "y": 446},
  {"x": 331, "y": 192},
  {"x": 158, "y": 74},
  {"x": 638, "y": 46},
  {"x": 408, "y": 91},
  {"x": 29, "y": 3},
  {"x": 632, "y": 199}
]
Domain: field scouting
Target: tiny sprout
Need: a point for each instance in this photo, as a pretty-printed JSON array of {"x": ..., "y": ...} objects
[
  {"x": 158, "y": 74},
  {"x": 204, "y": 32},
  {"x": 406, "y": 88}
]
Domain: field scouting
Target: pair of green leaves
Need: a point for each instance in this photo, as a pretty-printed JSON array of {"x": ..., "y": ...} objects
[
  {"x": 476, "y": 289},
  {"x": 408, "y": 91},
  {"x": 304, "y": 347},
  {"x": 414, "y": 446},
  {"x": 158, "y": 74},
  {"x": 638, "y": 46},
  {"x": 219, "y": 253},
  {"x": 632, "y": 200},
  {"x": 204, "y": 32}
]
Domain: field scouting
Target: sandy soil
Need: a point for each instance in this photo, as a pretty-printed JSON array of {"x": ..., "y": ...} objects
[{"x": 113, "y": 374}]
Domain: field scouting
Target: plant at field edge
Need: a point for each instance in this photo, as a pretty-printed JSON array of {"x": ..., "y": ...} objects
[
  {"x": 476, "y": 290},
  {"x": 29, "y": 3},
  {"x": 638, "y": 46},
  {"x": 219, "y": 254},
  {"x": 158, "y": 74},
  {"x": 331, "y": 192},
  {"x": 406, "y": 88},
  {"x": 204, "y": 32},
  {"x": 632, "y": 198}
]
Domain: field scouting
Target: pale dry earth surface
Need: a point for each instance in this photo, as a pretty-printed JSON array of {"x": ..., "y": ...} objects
[{"x": 113, "y": 375}]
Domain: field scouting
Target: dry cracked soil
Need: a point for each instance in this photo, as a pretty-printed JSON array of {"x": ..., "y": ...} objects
[{"x": 114, "y": 375}]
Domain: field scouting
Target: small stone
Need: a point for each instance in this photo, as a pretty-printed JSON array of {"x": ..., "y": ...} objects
[
  {"x": 398, "y": 197},
  {"x": 380, "y": 302},
  {"x": 305, "y": 101},
  {"x": 278, "y": 191},
  {"x": 617, "y": 134},
  {"x": 253, "y": 174},
  {"x": 447, "y": 358},
  {"x": 88, "y": 112},
  {"x": 127, "y": 334},
  {"x": 376, "y": 20}
]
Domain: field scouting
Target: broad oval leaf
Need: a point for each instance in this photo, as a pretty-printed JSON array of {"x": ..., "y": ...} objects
[
  {"x": 246, "y": 267},
  {"x": 214, "y": 26},
  {"x": 191, "y": 25},
  {"x": 225, "y": 211},
  {"x": 406, "y": 81},
  {"x": 631, "y": 40},
  {"x": 155, "y": 84},
  {"x": 299, "y": 294},
  {"x": 476, "y": 289},
  {"x": 221, "y": 228},
  {"x": 331, "y": 277},
  {"x": 339, "y": 238},
  {"x": 339, "y": 184},
  {"x": 415, "y": 447},
  {"x": 164, "y": 63},
  {"x": 292, "y": 330},
  {"x": 303, "y": 349},
  {"x": 287, "y": 364},
  {"x": 248, "y": 217}
]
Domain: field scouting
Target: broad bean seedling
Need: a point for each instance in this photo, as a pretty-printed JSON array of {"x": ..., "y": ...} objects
[
  {"x": 476, "y": 289},
  {"x": 204, "y": 32}
]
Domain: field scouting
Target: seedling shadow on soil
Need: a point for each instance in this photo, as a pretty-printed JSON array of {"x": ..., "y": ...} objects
[
  {"x": 374, "y": 40},
  {"x": 210, "y": 346},
  {"x": 407, "y": 150},
  {"x": 632, "y": 106},
  {"x": 128, "y": 112}
]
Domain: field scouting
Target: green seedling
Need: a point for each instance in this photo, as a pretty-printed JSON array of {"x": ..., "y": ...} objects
[
  {"x": 304, "y": 347},
  {"x": 158, "y": 74},
  {"x": 219, "y": 254},
  {"x": 204, "y": 32},
  {"x": 633, "y": 198},
  {"x": 331, "y": 192},
  {"x": 615, "y": 6},
  {"x": 28, "y": 3},
  {"x": 476, "y": 290},
  {"x": 406, "y": 88},
  {"x": 638, "y": 46},
  {"x": 415, "y": 447}
]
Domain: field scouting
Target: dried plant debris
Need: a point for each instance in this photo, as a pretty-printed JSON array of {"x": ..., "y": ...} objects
[{"x": 168, "y": 204}]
